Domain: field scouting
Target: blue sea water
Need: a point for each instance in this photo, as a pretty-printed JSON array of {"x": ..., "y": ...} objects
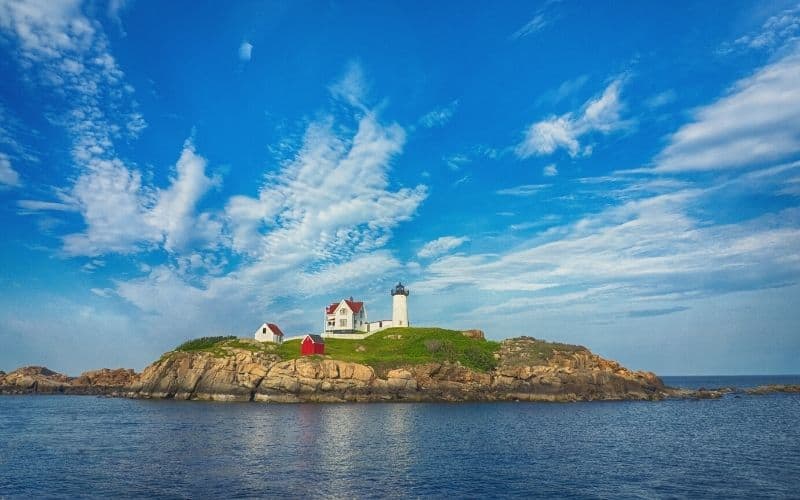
[{"x": 71, "y": 446}]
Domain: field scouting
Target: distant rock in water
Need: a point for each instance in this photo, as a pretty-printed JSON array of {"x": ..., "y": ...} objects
[
  {"x": 40, "y": 380},
  {"x": 773, "y": 388}
]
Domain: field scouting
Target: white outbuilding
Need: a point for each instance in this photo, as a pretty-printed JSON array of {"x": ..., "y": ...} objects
[{"x": 269, "y": 332}]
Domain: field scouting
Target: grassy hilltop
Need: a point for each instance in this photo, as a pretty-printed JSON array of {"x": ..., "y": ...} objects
[
  {"x": 395, "y": 347},
  {"x": 383, "y": 350}
]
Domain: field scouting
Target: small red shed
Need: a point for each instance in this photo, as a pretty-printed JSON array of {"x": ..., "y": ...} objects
[{"x": 312, "y": 344}]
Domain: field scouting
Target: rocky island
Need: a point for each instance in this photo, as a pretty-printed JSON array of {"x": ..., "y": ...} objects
[{"x": 397, "y": 364}]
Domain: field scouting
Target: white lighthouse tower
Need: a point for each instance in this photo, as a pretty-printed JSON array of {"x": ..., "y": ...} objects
[{"x": 399, "y": 306}]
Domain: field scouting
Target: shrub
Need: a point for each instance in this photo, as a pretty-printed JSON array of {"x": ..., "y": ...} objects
[
  {"x": 480, "y": 359},
  {"x": 433, "y": 345}
]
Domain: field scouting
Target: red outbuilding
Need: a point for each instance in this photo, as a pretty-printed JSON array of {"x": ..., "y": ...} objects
[{"x": 312, "y": 344}]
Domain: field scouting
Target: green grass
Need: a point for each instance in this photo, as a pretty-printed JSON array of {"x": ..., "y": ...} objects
[
  {"x": 202, "y": 344},
  {"x": 384, "y": 351}
]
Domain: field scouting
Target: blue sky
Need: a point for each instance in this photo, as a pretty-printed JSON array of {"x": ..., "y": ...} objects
[{"x": 623, "y": 176}]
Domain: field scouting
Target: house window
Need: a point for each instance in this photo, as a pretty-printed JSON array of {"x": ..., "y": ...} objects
[
  {"x": 264, "y": 330},
  {"x": 342, "y": 322},
  {"x": 342, "y": 311}
]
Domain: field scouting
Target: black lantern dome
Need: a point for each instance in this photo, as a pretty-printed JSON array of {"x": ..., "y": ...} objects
[{"x": 399, "y": 290}]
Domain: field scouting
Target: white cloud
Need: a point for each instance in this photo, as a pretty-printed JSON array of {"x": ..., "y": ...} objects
[
  {"x": 245, "y": 51},
  {"x": 550, "y": 170},
  {"x": 8, "y": 175},
  {"x": 523, "y": 190},
  {"x": 441, "y": 246},
  {"x": 601, "y": 114},
  {"x": 113, "y": 204},
  {"x": 756, "y": 122},
  {"x": 439, "y": 116},
  {"x": 174, "y": 212},
  {"x": 303, "y": 209},
  {"x": 124, "y": 216}
]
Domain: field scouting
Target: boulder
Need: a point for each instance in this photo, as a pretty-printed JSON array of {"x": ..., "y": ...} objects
[{"x": 474, "y": 334}]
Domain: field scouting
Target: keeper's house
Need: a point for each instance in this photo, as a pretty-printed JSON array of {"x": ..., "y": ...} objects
[{"x": 346, "y": 316}]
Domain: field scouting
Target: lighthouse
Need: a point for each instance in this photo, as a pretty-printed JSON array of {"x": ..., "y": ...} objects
[{"x": 399, "y": 306}]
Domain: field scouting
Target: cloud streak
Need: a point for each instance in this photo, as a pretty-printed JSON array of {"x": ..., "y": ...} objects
[
  {"x": 758, "y": 121},
  {"x": 441, "y": 246}
]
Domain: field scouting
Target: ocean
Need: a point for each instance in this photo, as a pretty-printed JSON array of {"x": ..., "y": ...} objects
[{"x": 82, "y": 446}]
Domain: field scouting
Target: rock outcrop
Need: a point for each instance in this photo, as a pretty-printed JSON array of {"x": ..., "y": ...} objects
[
  {"x": 474, "y": 334},
  {"x": 40, "y": 380},
  {"x": 243, "y": 375},
  {"x": 204, "y": 376}
]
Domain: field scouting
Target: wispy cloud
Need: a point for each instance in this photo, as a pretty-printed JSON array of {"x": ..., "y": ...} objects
[
  {"x": 757, "y": 121},
  {"x": 523, "y": 190},
  {"x": 563, "y": 91},
  {"x": 245, "y": 51},
  {"x": 601, "y": 114},
  {"x": 777, "y": 30},
  {"x": 462, "y": 180},
  {"x": 661, "y": 99},
  {"x": 114, "y": 12},
  {"x": 649, "y": 313},
  {"x": 648, "y": 248},
  {"x": 36, "y": 206},
  {"x": 536, "y": 24},
  {"x": 439, "y": 116},
  {"x": 351, "y": 87},
  {"x": 456, "y": 161}
]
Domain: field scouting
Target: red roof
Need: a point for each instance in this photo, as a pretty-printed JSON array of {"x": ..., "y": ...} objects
[
  {"x": 275, "y": 329},
  {"x": 353, "y": 305}
]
